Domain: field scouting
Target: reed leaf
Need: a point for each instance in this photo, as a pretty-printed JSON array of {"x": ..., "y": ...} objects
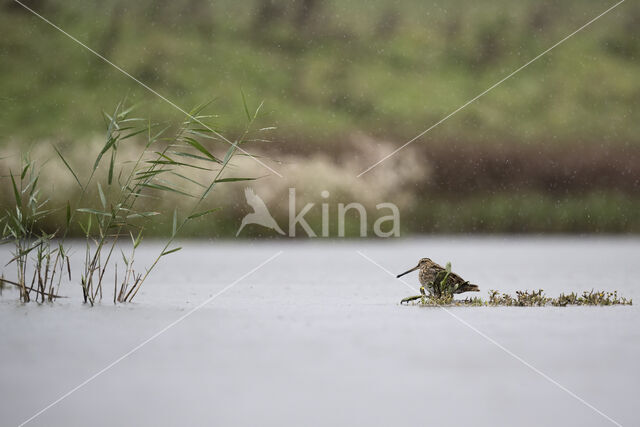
[
  {"x": 16, "y": 193},
  {"x": 93, "y": 211},
  {"x": 234, "y": 179},
  {"x": 199, "y": 214},
  {"x": 244, "y": 104},
  {"x": 111, "y": 165},
  {"x": 142, "y": 215},
  {"x": 164, "y": 188},
  {"x": 174, "y": 227},
  {"x": 103, "y": 199},
  {"x": 170, "y": 251},
  {"x": 110, "y": 143},
  {"x": 195, "y": 144},
  {"x": 194, "y": 156},
  {"x": 67, "y": 165},
  {"x": 24, "y": 170}
]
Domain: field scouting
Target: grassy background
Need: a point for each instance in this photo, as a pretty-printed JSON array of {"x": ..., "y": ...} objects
[{"x": 329, "y": 69}]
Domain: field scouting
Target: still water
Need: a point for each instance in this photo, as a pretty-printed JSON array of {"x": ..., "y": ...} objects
[{"x": 316, "y": 337}]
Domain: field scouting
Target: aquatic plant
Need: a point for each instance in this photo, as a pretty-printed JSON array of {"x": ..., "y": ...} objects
[
  {"x": 591, "y": 298},
  {"x": 110, "y": 205},
  {"x": 162, "y": 166},
  {"x": 523, "y": 299},
  {"x": 33, "y": 248}
]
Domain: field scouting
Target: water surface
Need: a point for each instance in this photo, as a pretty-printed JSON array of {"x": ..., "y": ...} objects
[{"x": 317, "y": 337}]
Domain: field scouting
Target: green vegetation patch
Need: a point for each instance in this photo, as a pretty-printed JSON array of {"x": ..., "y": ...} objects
[
  {"x": 330, "y": 68},
  {"x": 522, "y": 299}
]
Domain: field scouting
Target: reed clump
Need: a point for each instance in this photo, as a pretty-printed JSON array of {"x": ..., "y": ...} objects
[
  {"x": 40, "y": 263},
  {"x": 112, "y": 201}
]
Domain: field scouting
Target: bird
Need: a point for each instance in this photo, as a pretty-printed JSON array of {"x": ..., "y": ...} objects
[
  {"x": 260, "y": 214},
  {"x": 438, "y": 279}
]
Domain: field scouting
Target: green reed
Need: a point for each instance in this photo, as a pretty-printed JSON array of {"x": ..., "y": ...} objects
[
  {"x": 33, "y": 247},
  {"x": 163, "y": 164}
]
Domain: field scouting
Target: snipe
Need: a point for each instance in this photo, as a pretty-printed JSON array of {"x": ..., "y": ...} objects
[{"x": 438, "y": 280}]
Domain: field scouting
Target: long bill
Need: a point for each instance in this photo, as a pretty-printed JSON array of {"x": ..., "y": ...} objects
[{"x": 408, "y": 271}]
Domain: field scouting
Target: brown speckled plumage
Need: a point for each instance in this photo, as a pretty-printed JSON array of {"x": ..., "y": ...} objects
[{"x": 429, "y": 270}]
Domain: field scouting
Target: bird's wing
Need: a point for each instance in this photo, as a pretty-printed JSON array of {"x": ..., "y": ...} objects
[
  {"x": 455, "y": 278},
  {"x": 437, "y": 267},
  {"x": 254, "y": 200}
]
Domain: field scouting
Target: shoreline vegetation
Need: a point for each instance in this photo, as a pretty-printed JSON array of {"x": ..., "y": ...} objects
[
  {"x": 438, "y": 191},
  {"x": 329, "y": 68},
  {"x": 548, "y": 151}
]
